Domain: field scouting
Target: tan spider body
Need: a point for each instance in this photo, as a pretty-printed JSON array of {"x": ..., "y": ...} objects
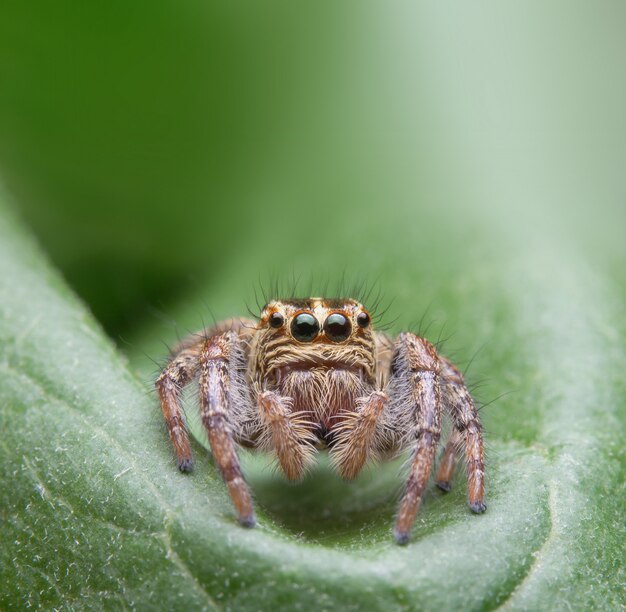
[{"x": 313, "y": 374}]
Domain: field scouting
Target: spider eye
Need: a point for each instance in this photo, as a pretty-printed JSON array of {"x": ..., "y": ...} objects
[
  {"x": 337, "y": 327},
  {"x": 276, "y": 320},
  {"x": 305, "y": 327},
  {"x": 363, "y": 319}
]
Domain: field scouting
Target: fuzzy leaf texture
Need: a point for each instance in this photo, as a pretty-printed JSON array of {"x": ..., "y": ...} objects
[
  {"x": 94, "y": 511},
  {"x": 470, "y": 159}
]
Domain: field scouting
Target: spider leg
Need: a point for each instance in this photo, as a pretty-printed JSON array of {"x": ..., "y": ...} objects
[
  {"x": 416, "y": 372},
  {"x": 290, "y": 435},
  {"x": 464, "y": 415},
  {"x": 214, "y": 387},
  {"x": 356, "y": 435},
  {"x": 448, "y": 461},
  {"x": 178, "y": 373}
]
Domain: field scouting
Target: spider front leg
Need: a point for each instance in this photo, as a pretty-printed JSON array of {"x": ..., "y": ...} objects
[
  {"x": 214, "y": 386},
  {"x": 417, "y": 390}
]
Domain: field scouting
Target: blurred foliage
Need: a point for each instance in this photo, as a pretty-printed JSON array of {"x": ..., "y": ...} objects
[
  {"x": 148, "y": 143},
  {"x": 466, "y": 161}
]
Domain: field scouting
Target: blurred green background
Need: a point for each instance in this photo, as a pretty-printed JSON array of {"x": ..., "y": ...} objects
[
  {"x": 466, "y": 160},
  {"x": 157, "y": 147}
]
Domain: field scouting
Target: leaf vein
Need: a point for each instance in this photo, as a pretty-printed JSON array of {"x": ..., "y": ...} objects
[{"x": 538, "y": 554}]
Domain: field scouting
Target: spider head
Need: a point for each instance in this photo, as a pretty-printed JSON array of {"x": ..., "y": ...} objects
[
  {"x": 317, "y": 320},
  {"x": 315, "y": 332}
]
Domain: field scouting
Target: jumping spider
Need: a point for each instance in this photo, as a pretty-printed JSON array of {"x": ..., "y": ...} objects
[{"x": 312, "y": 374}]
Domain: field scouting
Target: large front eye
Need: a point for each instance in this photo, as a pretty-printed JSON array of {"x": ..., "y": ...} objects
[
  {"x": 305, "y": 327},
  {"x": 337, "y": 327}
]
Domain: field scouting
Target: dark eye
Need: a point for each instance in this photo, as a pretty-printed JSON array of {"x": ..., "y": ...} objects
[
  {"x": 363, "y": 319},
  {"x": 337, "y": 327},
  {"x": 305, "y": 327},
  {"x": 276, "y": 320}
]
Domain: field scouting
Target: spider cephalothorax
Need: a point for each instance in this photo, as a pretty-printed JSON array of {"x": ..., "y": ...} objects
[{"x": 310, "y": 374}]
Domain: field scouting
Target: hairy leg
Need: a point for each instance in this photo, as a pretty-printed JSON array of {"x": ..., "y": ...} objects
[
  {"x": 214, "y": 384},
  {"x": 416, "y": 372},
  {"x": 178, "y": 373},
  {"x": 290, "y": 435},
  {"x": 460, "y": 405},
  {"x": 356, "y": 435},
  {"x": 448, "y": 461}
]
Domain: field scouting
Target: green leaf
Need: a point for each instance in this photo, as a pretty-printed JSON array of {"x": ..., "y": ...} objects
[
  {"x": 469, "y": 158},
  {"x": 95, "y": 513}
]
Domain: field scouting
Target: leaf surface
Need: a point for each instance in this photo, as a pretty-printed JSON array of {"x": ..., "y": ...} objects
[{"x": 95, "y": 513}]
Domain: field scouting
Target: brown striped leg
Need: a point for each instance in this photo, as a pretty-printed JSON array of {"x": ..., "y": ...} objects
[
  {"x": 448, "y": 462},
  {"x": 214, "y": 383},
  {"x": 464, "y": 415},
  {"x": 290, "y": 436},
  {"x": 356, "y": 435},
  {"x": 420, "y": 370},
  {"x": 178, "y": 373}
]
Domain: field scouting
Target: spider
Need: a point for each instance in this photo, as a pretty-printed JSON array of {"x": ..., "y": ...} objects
[{"x": 312, "y": 374}]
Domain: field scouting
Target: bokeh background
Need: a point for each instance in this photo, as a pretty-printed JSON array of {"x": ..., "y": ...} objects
[
  {"x": 156, "y": 147},
  {"x": 464, "y": 161}
]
